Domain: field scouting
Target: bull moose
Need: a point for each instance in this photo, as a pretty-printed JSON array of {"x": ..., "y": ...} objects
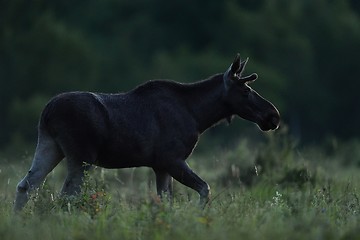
[{"x": 157, "y": 125}]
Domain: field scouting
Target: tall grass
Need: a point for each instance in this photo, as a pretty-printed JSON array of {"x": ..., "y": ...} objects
[{"x": 274, "y": 190}]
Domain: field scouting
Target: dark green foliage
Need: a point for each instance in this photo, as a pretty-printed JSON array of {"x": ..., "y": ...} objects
[
  {"x": 305, "y": 52},
  {"x": 92, "y": 200},
  {"x": 272, "y": 161}
]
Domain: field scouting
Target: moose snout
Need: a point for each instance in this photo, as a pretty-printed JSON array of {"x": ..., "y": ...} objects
[
  {"x": 270, "y": 121},
  {"x": 276, "y": 122},
  {"x": 274, "y": 119}
]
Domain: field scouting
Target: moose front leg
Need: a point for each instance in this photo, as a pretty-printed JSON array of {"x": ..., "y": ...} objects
[
  {"x": 164, "y": 183},
  {"x": 181, "y": 171}
]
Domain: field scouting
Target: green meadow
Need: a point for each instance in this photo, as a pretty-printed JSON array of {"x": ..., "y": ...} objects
[{"x": 272, "y": 190}]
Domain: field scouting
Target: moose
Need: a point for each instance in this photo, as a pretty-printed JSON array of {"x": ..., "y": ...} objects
[{"x": 157, "y": 125}]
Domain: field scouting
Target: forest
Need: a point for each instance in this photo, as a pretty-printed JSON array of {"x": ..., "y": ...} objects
[{"x": 305, "y": 52}]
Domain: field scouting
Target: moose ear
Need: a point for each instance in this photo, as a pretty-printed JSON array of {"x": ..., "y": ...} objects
[
  {"x": 231, "y": 73},
  {"x": 235, "y": 66}
]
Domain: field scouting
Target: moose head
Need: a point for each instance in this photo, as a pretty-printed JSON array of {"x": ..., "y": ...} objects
[{"x": 246, "y": 102}]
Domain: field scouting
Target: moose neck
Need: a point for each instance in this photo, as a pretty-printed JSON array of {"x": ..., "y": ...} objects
[{"x": 206, "y": 102}]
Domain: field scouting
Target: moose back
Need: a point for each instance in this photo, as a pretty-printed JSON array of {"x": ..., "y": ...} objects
[{"x": 157, "y": 125}]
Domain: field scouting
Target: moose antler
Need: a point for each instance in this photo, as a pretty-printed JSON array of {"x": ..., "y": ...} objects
[
  {"x": 238, "y": 66},
  {"x": 236, "y": 69},
  {"x": 242, "y": 67},
  {"x": 250, "y": 78}
]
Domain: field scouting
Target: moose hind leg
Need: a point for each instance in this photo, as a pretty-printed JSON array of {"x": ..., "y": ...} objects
[
  {"x": 164, "y": 183},
  {"x": 181, "y": 171},
  {"x": 75, "y": 176},
  {"x": 47, "y": 156}
]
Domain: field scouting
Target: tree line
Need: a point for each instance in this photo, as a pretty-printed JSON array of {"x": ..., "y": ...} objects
[{"x": 305, "y": 52}]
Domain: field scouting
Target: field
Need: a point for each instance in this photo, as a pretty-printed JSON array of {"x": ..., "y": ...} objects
[{"x": 272, "y": 190}]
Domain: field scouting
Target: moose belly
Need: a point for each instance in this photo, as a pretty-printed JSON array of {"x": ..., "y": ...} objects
[{"x": 125, "y": 156}]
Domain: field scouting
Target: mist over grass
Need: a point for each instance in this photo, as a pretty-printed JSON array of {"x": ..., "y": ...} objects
[{"x": 271, "y": 190}]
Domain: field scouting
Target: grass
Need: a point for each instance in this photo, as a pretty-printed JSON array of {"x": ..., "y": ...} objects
[{"x": 280, "y": 192}]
